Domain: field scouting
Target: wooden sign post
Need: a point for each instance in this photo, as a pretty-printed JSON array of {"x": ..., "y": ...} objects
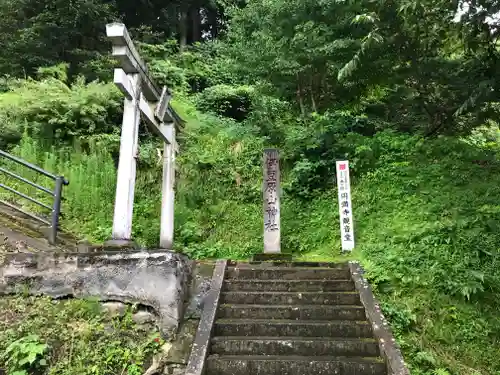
[
  {"x": 271, "y": 192},
  {"x": 345, "y": 206},
  {"x": 142, "y": 97}
]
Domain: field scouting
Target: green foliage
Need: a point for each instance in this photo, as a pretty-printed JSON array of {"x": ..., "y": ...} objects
[
  {"x": 296, "y": 46},
  {"x": 28, "y": 28},
  {"x": 52, "y": 111},
  {"x": 427, "y": 230},
  {"x": 433, "y": 71},
  {"x": 72, "y": 337},
  {"x": 25, "y": 354},
  {"x": 455, "y": 212},
  {"x": 227, "y": 101},
  {"x": 196, "y": 68},
  {"x": 58, "y": 72},
  {"x": 486, "y": 137}
]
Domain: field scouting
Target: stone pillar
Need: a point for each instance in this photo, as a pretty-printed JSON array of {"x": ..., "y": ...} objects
[{"x": 271, "y": 193}]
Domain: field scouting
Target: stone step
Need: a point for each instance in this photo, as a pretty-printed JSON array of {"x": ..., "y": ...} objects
[
  {"x": 279, "y": 257},
  {"x": 288, "y": 285},
  {"x": 305, "y": 312},
  {"x": 302, "y": 346},
  {"x": 292, "y": 365},
  {"x": 287, "y": 273},
  {"x": 291, "y": 298},
  {"x": 292, "y": 328},
  {"x": 283, "y": 264}
]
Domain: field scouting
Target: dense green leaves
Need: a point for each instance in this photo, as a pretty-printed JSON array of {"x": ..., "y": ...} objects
[
  {"x": 46, "y": 32},
  {"x": 227, "y": 101},
  {"x": 52, "y": 111},
  {"x": 430, "y": 68},
  {"x": 298, "y": 46}
]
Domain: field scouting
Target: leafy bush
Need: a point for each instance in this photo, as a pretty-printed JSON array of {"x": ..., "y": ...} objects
[
  {"x": 195, "y": 69},
  {"x": 168, "y": 74},
  {"x": 227, "y": 101},
  {"x": 486, "y": 137},
  {"x": 25, "y": 354},
  {"x": 51, "y": 111}
]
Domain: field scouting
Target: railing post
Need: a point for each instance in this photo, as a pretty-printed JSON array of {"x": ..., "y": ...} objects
[{"x": 56, "y": 210}]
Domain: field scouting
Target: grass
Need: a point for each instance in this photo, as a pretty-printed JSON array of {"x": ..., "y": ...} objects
[
  {"x": 88, "y": 200},
  {"x": 428, "y": 235}
]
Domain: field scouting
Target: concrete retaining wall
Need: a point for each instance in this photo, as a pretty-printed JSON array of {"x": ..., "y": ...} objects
[{"x": 158, "y": 279}]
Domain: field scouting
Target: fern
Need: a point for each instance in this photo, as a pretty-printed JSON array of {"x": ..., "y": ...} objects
[{"x": 373, "y": 38}]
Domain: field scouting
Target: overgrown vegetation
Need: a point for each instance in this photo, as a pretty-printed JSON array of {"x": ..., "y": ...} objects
[
  {"x": 407, "y": 91},
  {"x": 430, "y": 235},
  {"x": 41, "y": 336}
]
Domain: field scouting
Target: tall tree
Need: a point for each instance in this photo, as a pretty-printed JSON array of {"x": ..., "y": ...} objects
[
  {"x": 443, "y": 66},
  {"x": 35, "y": 33},
  {"x": 298, "y": 46}
]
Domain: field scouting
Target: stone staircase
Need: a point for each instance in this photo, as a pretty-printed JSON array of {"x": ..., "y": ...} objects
[{"x": 276, "y": 318}]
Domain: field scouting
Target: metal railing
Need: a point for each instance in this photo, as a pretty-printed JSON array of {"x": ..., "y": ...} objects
[{"x": 56, "y": 194}]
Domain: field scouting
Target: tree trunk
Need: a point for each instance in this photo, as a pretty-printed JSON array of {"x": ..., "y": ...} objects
[
  {"x": 183, "y": 19},
  {"x": 195, "y": 24},
  {"x": 300, "y": 96},
  {"x": 313, "y": 101},
  {"x": 212, "y": 19}
]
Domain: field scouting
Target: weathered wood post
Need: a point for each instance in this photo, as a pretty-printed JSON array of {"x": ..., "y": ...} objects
[
  {"x": 141, "y": 96},
  {"x": 271, "y": 193}
]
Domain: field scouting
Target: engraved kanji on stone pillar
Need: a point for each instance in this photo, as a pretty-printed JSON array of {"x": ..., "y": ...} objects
[{"x": 271, "y": 194}]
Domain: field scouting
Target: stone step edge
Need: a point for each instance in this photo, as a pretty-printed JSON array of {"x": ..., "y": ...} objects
[
  {"x": 298, "y": 307},
  {"x": 251, "y": 267},
  {"x": 292, "y": 322},
  {"x": 292, "y": 338},
  {"x": 290, "y": 264},
  {"x": 290, "y": 358},
  {"x": 319, "y": 281},
  {"x": 307, "y": 293}
]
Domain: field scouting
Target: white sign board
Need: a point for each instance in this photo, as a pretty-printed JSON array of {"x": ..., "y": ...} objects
[{"x": 345, "y": 206}]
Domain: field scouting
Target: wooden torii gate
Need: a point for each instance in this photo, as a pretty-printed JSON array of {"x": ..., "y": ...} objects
[{"x": 142, "y": 96}]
